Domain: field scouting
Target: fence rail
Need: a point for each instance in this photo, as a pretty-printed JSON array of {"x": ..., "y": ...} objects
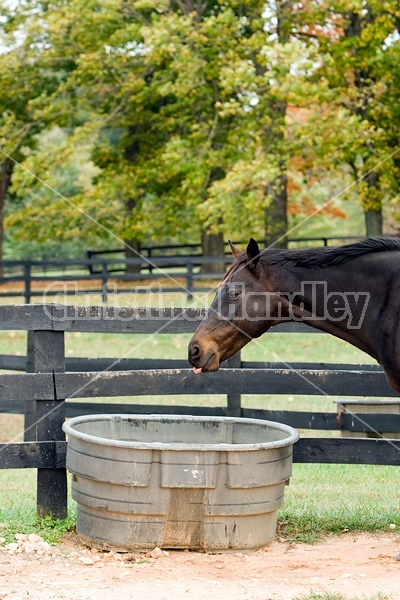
[
  {"x": 55, "y": 386},
  {"x": 196, "y": 249},
  {"x": 177, "y": 274}
]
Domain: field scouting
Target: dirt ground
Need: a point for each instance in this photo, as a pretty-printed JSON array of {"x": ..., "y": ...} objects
[{"x": 362, "y": 565}]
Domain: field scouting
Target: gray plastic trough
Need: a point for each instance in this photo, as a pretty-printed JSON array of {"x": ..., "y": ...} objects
[{"x": 205, "y": 483}]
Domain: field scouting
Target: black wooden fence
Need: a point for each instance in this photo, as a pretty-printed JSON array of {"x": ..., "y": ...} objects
[
  {"x": 45, "y": 279},
  {"x": 186, "y": 271},
  {"x": 50, "y": 391},
  {"x": 173, "y": 250}
]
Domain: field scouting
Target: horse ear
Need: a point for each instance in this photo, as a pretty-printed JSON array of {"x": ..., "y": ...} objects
[
  {"x": 253, "y": 254},
  {"x": 234, "y": 249}
]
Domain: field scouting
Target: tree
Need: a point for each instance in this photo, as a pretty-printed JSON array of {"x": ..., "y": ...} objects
[
  {"x": 173, "y": 98},
  {"x": 276, "y": 215},
  {"x": 355, "y": 40},
  {"x": 28, "y": 72},
  {"x": 52, "y": 208},
  {"x": 201, "y": 118}
]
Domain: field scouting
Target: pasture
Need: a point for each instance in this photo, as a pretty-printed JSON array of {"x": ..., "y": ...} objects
[
  {"x": 321, "y": 499},
  {"x": 360, "y": 502}
]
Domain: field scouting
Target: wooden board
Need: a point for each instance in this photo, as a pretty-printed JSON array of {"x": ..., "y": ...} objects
[
  {"x": 244, "y": 381},
  {"x": 60, "y": 317},
  {"x": 33, "y": 455},
  {"x": 347, "y": 451},
  {"x": 77, "y": 409},
  {"x": 80, "y": 364},
  {"x": 346, "y": 383},
  {"x": 50, "y": 455}
]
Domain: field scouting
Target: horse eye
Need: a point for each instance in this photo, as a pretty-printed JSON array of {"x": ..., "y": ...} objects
[{"x": 233, "y": 294}]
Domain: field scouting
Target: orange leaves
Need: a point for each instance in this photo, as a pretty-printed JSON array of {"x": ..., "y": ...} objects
[{"x": 305, "y": 206}]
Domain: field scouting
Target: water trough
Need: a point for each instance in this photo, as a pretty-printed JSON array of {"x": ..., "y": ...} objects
[{"x": 204, "y": 483}]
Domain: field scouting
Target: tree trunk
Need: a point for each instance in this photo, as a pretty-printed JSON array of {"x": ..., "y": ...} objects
[
  {"x": 373, "y": 206},
  {"x": 5, "y": 180},
  {"x": 276, "y": 222},
  {"x": 213, "y": 247},
  {"x": 362, "y": 80},
  {"x": 132, "y": 250},
  {"x": 373, "y": 221}
]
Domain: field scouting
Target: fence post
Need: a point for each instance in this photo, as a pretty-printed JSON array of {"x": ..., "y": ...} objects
[
  {"x": 30, "y": 405},
  {"x": 189, "y": 280},
  {"x": 149, "y": 256},
  {"x": 234, "y": 407},
  {"x": 27, "y": 280},
  {"x": 104, "y": 279},
  {"x": 89, "y": 257},
  {"x": 49, "y": 357}
]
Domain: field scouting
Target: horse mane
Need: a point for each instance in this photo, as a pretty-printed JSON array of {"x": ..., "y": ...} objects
[{"x": 308, "y": 258}]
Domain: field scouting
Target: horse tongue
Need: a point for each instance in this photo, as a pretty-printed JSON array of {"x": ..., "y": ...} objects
[{"x": 197, "y": 371}]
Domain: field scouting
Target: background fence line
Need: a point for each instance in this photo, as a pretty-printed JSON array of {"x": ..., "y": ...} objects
[
  {"x": 196, "y": 249},
  {"x": 159, "y": 264}
]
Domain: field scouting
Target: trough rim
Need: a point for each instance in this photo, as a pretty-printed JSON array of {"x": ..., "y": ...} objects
[{"x": 68, "y": 428}]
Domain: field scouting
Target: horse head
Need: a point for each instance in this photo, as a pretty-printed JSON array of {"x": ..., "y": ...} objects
[{"x": 241, "y": 310}]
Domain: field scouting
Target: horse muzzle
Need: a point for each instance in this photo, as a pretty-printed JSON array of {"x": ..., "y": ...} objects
[{"x": 202, "y": 361}]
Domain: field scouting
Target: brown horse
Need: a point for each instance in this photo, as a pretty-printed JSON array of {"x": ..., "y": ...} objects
[{"x": 352, "y": 292}]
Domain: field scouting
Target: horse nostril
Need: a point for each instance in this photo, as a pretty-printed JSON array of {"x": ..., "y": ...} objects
[{"x": 195, "y": 351}]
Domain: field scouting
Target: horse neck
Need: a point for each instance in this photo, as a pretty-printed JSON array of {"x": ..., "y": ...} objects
[{"x": 328, "y": 300}]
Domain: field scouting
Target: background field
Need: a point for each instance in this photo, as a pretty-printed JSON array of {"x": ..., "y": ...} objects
[{"x": 320, "y": 499}]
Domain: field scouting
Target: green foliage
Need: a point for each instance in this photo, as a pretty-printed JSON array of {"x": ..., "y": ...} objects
[
  {"x": 18, "y": 509},
  {"x": 360, "y": 60},
  {"x": 25, "y": 522},
  {"x": 56, "y": 208},
  {"x": 181, "y": 116}
]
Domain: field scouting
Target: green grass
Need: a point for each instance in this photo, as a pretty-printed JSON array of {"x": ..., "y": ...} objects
[
  {"x": 18, "y": 509},
  {"x": 25, "y": 521},
  {"x": 321, "y": 499},
  {"x": 325, "y": 499}
]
